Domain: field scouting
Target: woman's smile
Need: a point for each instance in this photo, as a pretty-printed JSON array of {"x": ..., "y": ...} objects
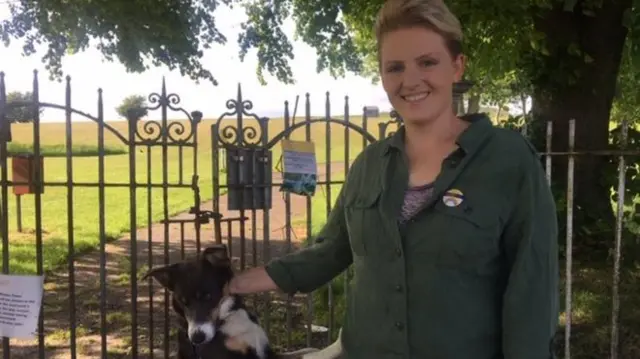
[{"x": 415, "y": 98}]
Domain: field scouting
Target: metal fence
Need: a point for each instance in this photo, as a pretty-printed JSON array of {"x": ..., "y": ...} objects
[
  {"x": 624, "y": 156},
  {"x": 247, "y": 211}
]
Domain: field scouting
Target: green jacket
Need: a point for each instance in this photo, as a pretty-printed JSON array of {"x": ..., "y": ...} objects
[{"x": 477, "y": 280}]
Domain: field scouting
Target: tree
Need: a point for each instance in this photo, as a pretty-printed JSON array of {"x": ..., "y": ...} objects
[
  {"x": 133, "y": 102},
  {"x": 139, "y": 33},
  {"x": 22, "y": 110}
]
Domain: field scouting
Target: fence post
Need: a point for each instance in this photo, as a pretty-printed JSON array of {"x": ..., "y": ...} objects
[
  {"x": 459, "y": 89},
  {"x": 569, "y": 243},
  {"x": 618, "y": 241},
  {"x": 19, "y": 212}
]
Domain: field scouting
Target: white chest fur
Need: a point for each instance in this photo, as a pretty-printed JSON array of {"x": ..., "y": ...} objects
[{"x": 239, "y": 326}]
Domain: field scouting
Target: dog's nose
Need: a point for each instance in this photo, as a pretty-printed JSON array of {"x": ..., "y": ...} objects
[{"x": 198, "y": 338}]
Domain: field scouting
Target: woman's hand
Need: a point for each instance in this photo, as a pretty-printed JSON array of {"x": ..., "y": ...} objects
[{"x": 254, "y": 280}]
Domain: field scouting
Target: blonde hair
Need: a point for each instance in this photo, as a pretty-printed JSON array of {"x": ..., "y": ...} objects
[{"x": 431, "y": 14}]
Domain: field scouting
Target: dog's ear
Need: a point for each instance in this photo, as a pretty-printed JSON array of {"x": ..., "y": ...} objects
[
  {"x": 217, "y": 255},
  {"x": 165, "y": 275}
]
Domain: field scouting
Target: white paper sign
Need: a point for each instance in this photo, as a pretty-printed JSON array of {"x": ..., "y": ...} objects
[
  {"x": 20, "y": 300},
  {"x": 300, "y": 162}
]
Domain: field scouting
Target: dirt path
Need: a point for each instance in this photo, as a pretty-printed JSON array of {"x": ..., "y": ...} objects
[{"x": 149, "y": 302}]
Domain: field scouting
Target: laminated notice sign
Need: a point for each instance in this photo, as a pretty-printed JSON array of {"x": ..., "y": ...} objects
[
  {"x": 20, "y": 300},
  {"x": 300, "y": 170}
]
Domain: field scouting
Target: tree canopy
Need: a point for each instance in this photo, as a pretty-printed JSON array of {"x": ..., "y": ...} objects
[
  {"x": 20, "y": 112},
  {"x": 171, "y": 33}
]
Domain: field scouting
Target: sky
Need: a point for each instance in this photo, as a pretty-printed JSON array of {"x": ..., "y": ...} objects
[{"x": 89, "y": 72}]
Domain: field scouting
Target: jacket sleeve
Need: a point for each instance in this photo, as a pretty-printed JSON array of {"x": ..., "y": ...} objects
[
  {"x": 310, "y": 268},
  {"x": 530, "y": 303}
]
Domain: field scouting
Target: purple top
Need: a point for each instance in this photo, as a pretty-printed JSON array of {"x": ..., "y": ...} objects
[{"x": 414, "y": 200}]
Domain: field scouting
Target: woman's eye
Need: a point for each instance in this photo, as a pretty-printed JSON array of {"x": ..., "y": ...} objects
[
  {"x": 394, "y": 68},
  {"x": 428, "y": 63}
]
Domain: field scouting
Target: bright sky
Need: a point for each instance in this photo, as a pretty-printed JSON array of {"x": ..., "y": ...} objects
[{"x": 89, "y": 72}]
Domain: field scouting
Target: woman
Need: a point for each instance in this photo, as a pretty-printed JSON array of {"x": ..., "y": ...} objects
[{"x": 449, "y": 224}]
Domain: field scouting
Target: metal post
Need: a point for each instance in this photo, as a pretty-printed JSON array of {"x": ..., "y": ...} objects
[
  {"x": 615, "y": 311},
  {"x": 19, "y": 212},
  {"x": 459, "y": 89},
  {"x": 569, "y": 243}
]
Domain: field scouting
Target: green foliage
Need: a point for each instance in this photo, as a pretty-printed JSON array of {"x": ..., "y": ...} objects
[
  {"x": 20, "y": 107},
  {"x": 171, "y": 33},
  {"x": 264, "y": 32},
  {"x": 627, "y": 100},
  {"x": 137, "y": 103}
]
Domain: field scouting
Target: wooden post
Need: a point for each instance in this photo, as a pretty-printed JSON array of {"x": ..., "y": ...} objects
[{"x": 24, "y": 171}]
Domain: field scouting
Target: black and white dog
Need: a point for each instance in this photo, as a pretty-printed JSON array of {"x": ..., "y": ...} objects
[{"x": 212, "y": 323}]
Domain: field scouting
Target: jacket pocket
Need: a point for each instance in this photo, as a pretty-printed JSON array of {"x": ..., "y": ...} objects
[
  {"x": 362, "y": 219},
  {"x": 467, "y": 236}
]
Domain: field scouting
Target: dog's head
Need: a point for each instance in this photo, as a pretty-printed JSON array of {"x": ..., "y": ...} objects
[{"x": 197, "y": 287}]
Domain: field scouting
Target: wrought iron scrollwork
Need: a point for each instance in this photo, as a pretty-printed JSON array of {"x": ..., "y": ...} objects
[
  {"x": 152, "y": 132},
  {"x": 246, "y": 130},
  {"x": 396, "y": 120}
]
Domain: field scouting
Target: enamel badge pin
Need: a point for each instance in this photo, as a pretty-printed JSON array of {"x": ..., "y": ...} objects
[{"x": 453, "y": 198}]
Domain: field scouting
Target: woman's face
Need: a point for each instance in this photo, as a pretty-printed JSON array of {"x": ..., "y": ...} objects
[{"x": 418, "y": 73}]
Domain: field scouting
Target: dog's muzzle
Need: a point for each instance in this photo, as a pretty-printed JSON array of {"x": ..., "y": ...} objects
[{"x": 201, "y": 333}]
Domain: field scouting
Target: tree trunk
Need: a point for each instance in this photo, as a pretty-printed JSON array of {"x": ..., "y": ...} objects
[{"x": 588, "y": 101}]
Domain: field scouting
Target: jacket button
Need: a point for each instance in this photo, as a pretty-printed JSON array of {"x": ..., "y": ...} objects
[
  {"x": 398, "y": 252},
  {"x": 398, "y": 288},
  {"x": 400, "y": 326}
]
